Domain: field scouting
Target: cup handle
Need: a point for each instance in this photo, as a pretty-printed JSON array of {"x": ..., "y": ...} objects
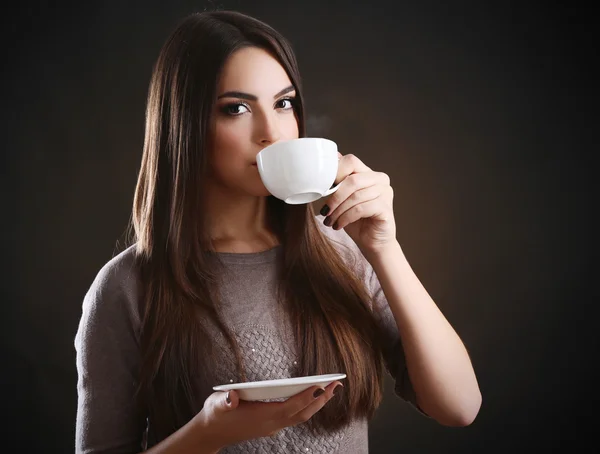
[{"x": 331, "y": 191}]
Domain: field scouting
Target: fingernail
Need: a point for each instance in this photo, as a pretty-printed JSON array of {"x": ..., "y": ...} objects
[
  {"x": 318, "y": 392},
  {"x": 324, "y": 210},
  {"x": 336, "y": 226},
  {"x": 227, "y": 398},
  {"x": 337, "y": 389},
  {"x": 327, "y": 222}
]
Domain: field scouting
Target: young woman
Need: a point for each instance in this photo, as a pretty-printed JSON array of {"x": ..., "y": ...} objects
[{"x": 224, "y": 283}]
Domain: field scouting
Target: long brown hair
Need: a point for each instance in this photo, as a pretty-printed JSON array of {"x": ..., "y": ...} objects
[{"x": 328, "y": 305}]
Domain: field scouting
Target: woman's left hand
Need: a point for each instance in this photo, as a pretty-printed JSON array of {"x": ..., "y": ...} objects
[{"x": 362, "y": 205}]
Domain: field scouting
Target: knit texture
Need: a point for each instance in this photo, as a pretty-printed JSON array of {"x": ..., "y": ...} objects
[
  {"x": 107, "y": 348},
  {"x": 266, "y": 358}
]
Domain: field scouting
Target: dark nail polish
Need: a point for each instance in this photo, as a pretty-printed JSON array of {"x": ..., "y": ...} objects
[
  {"x": 336, "y": 226},
  {"x": 337, "y": 389},
  {"x": 324, "y": 210},
  {"x": 227, "y": 398},
  {"x": 327, "y": 222},
  {"x": 318, "y": 392}
]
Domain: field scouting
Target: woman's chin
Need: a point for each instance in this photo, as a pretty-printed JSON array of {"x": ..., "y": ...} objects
[{"x": 259, "y": 191}]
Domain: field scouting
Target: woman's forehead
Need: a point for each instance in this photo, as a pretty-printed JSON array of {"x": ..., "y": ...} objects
[{"x": 254, "y": 71}]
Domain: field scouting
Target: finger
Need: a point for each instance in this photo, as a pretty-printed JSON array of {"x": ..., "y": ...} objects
[
  {"x": 333, "y": 388},
  {"x": 228, "y": 400},
  {"x": 357, "y": 197},
  {"x": 309, "y": 411},
  {"x": 319, "y": 395},
  {"x": 300, "y": 401},
  {"x": 349, "y": 164},
  {"x": 351, "y": 184},
  {"x": 369, "y": 209}
]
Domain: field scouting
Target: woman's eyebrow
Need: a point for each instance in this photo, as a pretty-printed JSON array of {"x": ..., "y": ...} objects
[
  {"x": 249, "y": 97},
  {"x": 284, "y": 91},
  {"x": 238, "y": 94}
]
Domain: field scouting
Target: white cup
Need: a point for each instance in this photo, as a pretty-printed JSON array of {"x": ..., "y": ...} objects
[{"x": 299, "y": 170}]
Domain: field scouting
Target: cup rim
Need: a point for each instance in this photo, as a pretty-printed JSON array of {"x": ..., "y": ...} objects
[{"x": 299, "y": 139}]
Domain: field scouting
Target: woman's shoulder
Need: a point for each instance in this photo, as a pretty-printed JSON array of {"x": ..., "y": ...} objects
[
  {"x": 115, "y": 289},
  {"x": 119, "y": 273},
  {"x": 110, "y": 323}
]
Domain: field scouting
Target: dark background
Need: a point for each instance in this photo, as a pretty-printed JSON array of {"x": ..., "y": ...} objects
[{"x": 480, "y": 112}]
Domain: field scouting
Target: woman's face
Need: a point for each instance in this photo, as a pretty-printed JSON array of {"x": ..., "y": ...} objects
[{"x": 254, "y": 108}]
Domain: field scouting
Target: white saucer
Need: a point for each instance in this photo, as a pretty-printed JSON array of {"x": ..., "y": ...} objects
[{"x": 278, "y": 389}]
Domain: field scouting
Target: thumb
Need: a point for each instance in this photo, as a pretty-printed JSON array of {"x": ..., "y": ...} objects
[{"x": 229, "y": 400}]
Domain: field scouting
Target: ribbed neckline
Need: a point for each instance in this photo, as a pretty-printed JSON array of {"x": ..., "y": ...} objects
[{"x": 249, "y": 258}]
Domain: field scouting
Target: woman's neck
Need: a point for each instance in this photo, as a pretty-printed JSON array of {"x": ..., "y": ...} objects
[{"x": 238, "y": 223}]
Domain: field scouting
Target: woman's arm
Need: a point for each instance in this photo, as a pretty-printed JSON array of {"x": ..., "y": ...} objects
[
  {"x": 438, "y": 364},
  {"x": 192, "y": 438}
]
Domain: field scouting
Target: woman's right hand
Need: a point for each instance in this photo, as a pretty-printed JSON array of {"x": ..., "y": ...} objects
[{"x": 227, "y": 420}]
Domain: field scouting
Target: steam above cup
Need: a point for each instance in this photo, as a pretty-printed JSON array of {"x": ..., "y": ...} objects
[{"x": 299, "y": 170}]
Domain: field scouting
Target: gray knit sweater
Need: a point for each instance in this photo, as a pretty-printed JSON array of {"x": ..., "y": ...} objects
[{"x": 108, "y": 355}]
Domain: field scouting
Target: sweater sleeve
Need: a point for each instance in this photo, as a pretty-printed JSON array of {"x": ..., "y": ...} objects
[{"x": 107, "y": 360}]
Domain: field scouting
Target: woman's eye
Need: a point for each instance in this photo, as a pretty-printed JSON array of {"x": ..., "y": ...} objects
[
  {"x": 235, "y": 109},
  {"x": 285, "y": 104}
]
